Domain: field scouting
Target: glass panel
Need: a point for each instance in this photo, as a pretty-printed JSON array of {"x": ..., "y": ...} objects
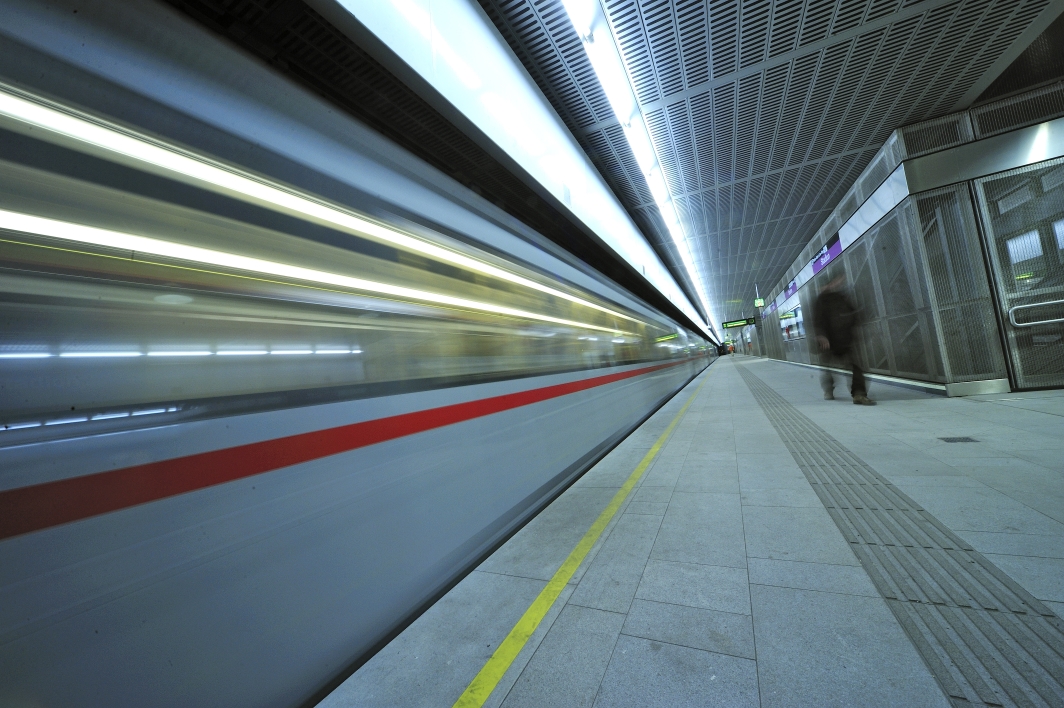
[
  {"x": 959, "y": 288},
  {"x": 1023, "y": 212}
]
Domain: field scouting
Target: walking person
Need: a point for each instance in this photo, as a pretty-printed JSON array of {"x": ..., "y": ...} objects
[{"x": 835, "y": 320}]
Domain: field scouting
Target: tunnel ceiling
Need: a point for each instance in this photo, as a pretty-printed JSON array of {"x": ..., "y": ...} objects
[{"x": 763, "y": 113}]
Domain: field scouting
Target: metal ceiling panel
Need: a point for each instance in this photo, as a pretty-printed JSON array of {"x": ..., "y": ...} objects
[{"x": 764, "y": 113}]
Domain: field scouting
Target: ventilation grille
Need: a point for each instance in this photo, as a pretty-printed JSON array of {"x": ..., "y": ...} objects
[
  {"x": 935, "y": 135},
  {"x": 1019, "y": 111}
]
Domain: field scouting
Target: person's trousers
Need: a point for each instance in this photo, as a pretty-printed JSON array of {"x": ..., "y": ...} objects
[{"x": 844, "y": 360}]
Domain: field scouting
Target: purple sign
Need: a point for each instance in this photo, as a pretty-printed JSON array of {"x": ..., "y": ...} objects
[
  {"x": 791, "y": 289},
  {"x": 828, "y": 253},
  {"x": 771, "y": 308}
]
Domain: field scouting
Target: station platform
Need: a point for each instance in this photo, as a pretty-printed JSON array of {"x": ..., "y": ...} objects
[{"x": 753, "y": 544}]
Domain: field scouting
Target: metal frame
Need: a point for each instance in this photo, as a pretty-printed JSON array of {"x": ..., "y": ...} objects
[{"x": 1018, "y": 325}]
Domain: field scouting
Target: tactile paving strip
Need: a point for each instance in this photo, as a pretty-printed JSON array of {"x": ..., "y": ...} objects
[{"x": 986, "y": 639}]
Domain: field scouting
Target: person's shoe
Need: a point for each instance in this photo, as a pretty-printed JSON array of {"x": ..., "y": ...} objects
[
  {"x": 861, "y": 400},
  {"x": 829, "y": 395}
]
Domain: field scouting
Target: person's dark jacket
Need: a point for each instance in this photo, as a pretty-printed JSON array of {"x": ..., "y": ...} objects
[{"x": 835, "y": 318}]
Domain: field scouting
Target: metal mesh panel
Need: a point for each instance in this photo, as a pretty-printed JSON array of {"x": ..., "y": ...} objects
[
  {"x": 771, "y": 337},
  {"x": 1023, "y": 216},
  {"x": 934, "y": 135},
  {"x": 959, "y": 290},
  {"x": 1019, "y": 111},
  {"x": 887, "y": 282},
  {"x": 909, "y": 323}
]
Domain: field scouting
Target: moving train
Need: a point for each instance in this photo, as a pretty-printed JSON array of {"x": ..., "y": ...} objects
[{"x": 249, "y": 429}]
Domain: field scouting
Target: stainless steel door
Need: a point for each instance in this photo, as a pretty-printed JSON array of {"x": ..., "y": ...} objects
[{"x": 1023, "y": 219}]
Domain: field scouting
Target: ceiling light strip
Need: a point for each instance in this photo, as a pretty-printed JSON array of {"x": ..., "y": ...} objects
[
  {"x": 595, "y": 33},
  {"x": 79, "y": 233},
  {"x": 180, "y": 164}
]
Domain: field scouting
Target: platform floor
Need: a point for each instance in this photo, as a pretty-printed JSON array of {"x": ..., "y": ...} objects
[{"x": 725, "y": 578}]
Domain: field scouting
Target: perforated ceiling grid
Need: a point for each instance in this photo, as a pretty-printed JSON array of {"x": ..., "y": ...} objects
[{"x": 764, "y": 112}]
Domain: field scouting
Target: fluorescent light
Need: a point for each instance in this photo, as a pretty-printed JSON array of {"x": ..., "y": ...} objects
[
  {"x": 510, "y": 109},
  {"x": 19, "y": 426},
  {"x": 189, "y": 167},
  {"x": 336, "y": 351},
  {"x": 79, "y": 233},
  {"x": 593, "y": 27},
  {"x": 291, "y": 351},
  {"x": 151, "y": 411},
  {"x": 27, "y": 355},
  {"x": 242, "y": 352},
  {"x": 88, "y": 355},
  {"x": 109, "y": 416},
  {"x": 64, "y": 421},
  {"x": 180, "y": 353}
]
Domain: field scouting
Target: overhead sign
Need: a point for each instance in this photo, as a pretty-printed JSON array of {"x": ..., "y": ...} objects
[
  {"x": 739, "y": 323},
  {"x": 831, "y": 250},
  {"x": 759, "y": 302}
]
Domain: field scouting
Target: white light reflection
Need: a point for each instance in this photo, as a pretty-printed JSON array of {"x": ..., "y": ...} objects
[
  {"x": 85, "y": 419},
  {"x": 79, "y": 233},
  {"x": 595, "y": 32},
  {"x": 110, "y": 354},
  {"x": 1040, "y": 145},
  {"x": 104, "y": 354},
  {"x": 197, "y": 169},
  {"x": 64, "y": 421}
]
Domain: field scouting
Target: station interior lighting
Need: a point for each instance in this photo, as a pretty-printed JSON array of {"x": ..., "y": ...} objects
[
  {"x": 456, "y": 49},
  {"x": 26, "y": 110},
  {"x": 90, "y": 235},
  {"x": 597, "y": 36}
]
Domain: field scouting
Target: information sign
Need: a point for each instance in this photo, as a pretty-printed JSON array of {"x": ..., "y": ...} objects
[
  {"x": 759, "y": 302},
  {"x": 739, "y": 323}
]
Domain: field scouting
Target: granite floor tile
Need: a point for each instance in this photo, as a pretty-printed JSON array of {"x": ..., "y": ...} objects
[
  {"x": 823, "y": 577},
  {"x": 653, "y": 674},
  {"x": 538, "y": 549},
  {"x": 787, "y": 496},
  {"x": 651, "y": 508},
  {"x": 829, "y": 649},
  {"x": 973, "y": 509},
  {"x": 700, "y": 529},
  {"x": 695, "y": 627},
  {"x": 649, "y": 493},
  {"x": 707, "y": 586},
  {"x": 611, "y": 579},
  {"x": 796, "y": 534},
  {"x": 1042, "y": 577},
  {"x": 433, "y": 660},
  {"x": 1015, "y": 544},
  {"x": 570, "y": 662}
]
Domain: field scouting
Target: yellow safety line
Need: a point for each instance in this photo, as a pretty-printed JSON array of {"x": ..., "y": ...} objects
[{"x": 489, "y": 676}]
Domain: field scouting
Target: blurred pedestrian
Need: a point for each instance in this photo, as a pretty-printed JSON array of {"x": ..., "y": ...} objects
[{"x": 835, "y": 321}]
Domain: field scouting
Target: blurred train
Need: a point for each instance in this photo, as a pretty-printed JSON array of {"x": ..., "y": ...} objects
[{"x": 247, "y": 431}]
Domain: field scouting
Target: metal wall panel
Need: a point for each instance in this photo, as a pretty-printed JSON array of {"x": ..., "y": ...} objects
[
  {"x": 960, "y": 292},
  {"x": 1023, "y": 219}
]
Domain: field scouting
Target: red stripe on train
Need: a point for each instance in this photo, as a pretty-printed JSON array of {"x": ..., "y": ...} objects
[{"x": 41, "y": 506}]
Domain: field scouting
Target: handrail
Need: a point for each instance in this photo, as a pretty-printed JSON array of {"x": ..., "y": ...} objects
[{"x": 1013, "y": 310}]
